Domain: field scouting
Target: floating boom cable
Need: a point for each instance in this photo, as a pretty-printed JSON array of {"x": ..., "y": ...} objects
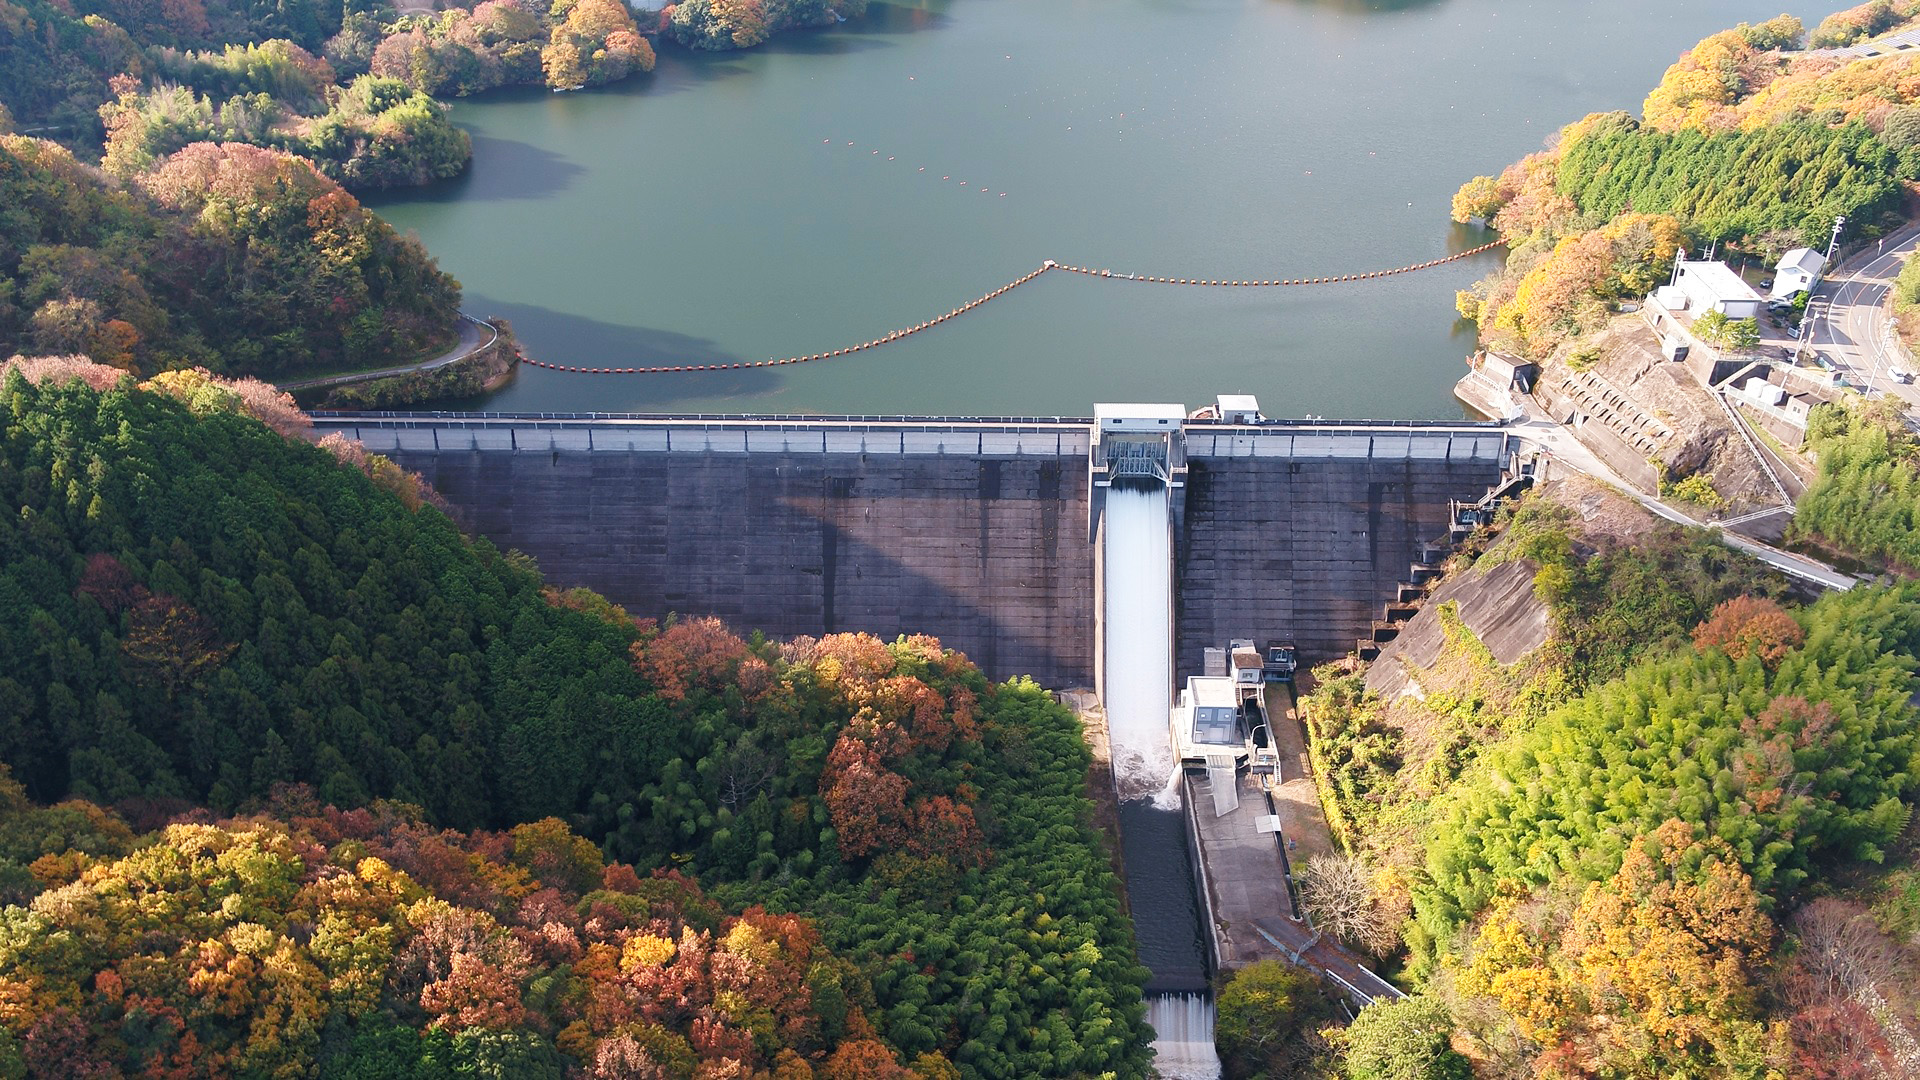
[{"x": 972, "y": 305}]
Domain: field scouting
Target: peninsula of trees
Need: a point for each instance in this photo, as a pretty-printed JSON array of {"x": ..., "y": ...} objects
[
  {"x": 1746, "y": 143},
  {"x": 356, "y": 88},
  {"x": 223, "y": 256}
]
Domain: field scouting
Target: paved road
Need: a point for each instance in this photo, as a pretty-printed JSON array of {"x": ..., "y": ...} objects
[
  {"x": 474, "y": 336},
  {"x": 1563, "y": 448},
  {"x": 1311, "y": 950},
  {"x": 1855, "y": 332}
]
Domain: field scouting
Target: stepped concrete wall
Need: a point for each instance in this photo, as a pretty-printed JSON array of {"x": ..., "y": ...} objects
[
  {"x": 1290, "y": 536},
  {"x": 972, "y": 531}
]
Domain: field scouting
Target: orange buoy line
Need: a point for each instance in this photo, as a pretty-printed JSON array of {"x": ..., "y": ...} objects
[{"x": 963, "y": 309}]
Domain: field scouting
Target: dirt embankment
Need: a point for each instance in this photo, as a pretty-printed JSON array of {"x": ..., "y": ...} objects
[{"x": 1643, "y": 412}]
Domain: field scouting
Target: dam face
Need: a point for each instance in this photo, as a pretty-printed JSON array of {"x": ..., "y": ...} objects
[{"x": 972, "y": 531}]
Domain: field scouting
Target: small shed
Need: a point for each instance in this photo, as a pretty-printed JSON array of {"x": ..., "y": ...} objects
[
  {"x": 1713, "y": 286},
  {"x": 1509, "y": 371},
  {"x": 1671, "y": 297},
  {"x": 1796, "y": 273},
  {"x": 1239, "y": 408}
]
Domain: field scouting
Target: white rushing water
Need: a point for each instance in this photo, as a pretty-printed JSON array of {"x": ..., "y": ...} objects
[
  {"x": 1138, "y": 558},
  {"x": 1183, "y": 1043}
]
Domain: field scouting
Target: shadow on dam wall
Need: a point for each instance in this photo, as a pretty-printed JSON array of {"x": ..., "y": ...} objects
[
  {"x": 989, "y": 555},
  {"x": 1302, "y": 536}
]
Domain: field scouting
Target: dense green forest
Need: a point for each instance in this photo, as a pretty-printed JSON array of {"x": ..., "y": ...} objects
[
  {"x": 228, "y": 257},
  {"x": 1797, "y": 758},
  {"x": 1865, "y": 501},
  {"x": 195, "y": 609},
  {"x": 1786, "y": 178}
]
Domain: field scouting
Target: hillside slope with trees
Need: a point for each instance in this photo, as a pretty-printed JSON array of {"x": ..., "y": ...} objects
[
  {"x": 1747, "y": 143},
  {"x": 1634, "y": 850},
  {"x": 198, "y": 610},
  {"x": 308, "y": 940},
  {"x": 358, "y": 88},
  {"x": 229, "y": 257}
]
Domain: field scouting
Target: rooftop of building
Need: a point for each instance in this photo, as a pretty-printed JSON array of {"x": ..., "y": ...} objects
[{"x": 1719, "y": 279}]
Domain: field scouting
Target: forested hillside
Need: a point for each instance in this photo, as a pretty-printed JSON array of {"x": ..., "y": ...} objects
[
  {"x": 1747, "y": 143},
  {"x": 1865, "y": 502},
  {"x": 1634, "y": 850},
  {"x": 196, "y": 609},
  {"x": 229, "y": 257},
  {"x": 351, "y": 86},
  {"x": 308, "y": 940}
]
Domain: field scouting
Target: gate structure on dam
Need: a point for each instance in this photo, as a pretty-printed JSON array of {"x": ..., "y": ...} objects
[{"x": 971, "y": 529}]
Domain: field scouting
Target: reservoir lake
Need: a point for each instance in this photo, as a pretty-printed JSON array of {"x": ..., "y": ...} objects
[{"x": 833, "y": 186}]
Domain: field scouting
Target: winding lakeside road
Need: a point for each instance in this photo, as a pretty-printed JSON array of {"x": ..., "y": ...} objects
[
  {"x": 1856, "y": 331},
  {"x": 475, "y": 335}
]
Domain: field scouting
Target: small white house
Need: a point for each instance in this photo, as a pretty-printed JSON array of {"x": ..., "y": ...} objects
[
  {"x": 1238, "y": 408},
  {"x": 1796, "y": 272},
  {"x": 1713, "y": 286}
]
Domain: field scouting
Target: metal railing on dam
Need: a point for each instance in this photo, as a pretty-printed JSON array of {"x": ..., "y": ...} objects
[
  {"x": 992, "y": 436},
  {"x": 713, "y": 434}
]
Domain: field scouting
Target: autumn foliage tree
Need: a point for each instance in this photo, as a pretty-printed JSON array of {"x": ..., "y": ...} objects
[
  {"x": 222, "y": 949},
  {"x": 1655, "y": 972},
  {"x": 1750, "y": 625},
  {"x": 596, "y": 43}
]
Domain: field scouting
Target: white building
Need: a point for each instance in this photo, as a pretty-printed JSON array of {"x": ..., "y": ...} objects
[
  {"x": 1713, "y": 286},
  {"x": 1795, "y": 274}
]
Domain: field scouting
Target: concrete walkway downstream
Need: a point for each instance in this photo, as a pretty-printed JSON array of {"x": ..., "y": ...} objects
[{"x": 1246, "y": 869}]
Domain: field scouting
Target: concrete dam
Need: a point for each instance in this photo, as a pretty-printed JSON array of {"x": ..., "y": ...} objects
[
  {"x": 1116, "y": 552},
  {"x": 977, "y": 531}
]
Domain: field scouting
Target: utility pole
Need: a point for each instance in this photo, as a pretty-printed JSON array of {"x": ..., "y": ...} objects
[
  {"x": 1839, "y": 222},
  {"x": 1808, "y": 322}
]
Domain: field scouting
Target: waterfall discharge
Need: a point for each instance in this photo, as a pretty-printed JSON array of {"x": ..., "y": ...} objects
[
  {"x": 1139, "y": 642},
  {"x": 1137, "y": 561},
  {"x": 1184, "y": 1048}
]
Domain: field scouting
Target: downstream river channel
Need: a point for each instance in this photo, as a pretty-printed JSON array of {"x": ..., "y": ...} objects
[{"x": 808, "y": 196}]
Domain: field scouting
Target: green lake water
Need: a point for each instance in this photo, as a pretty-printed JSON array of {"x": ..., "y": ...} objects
[{"x": 763, "y": 204}]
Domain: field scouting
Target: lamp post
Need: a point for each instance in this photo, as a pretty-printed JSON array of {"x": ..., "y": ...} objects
[{"x": 1807, "y": 321}]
